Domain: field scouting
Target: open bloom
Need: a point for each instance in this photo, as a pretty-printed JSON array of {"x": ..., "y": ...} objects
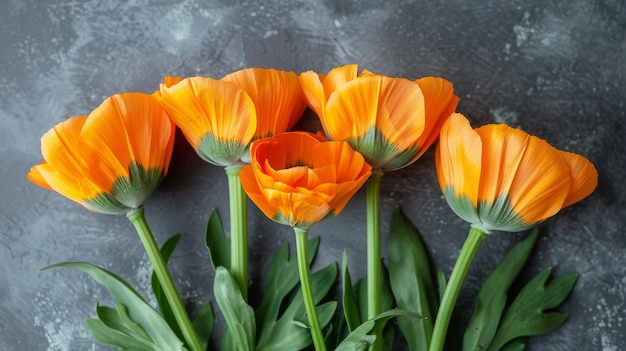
[
  {"x": 111, "y": 160},
  {"x": 277, "y": 97},
  {"x": 217, "y": 118},
  {"x": 298, "y": 178},
  {"x": 500, "y": 178},
  {"x": 391, "y": 121},
  {"x": 220, "y": 118}
]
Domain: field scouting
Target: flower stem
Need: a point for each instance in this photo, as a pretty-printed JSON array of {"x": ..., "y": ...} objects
[
  {"x": 468, "y": 251},
  {"x": 302, "y": 251},
  {"x": 238, "y": 230},
  {"x": 138, "y": 219},
  {"x": 374, "y": 304}
]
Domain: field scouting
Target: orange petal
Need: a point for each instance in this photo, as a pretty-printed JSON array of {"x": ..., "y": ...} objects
[
  {"x": 313, "y": 91},
  {"x": 126, "y": 128},
  {"x": 62, "y": 170},
  {"x": 541, "y": 182},
  {"x": 277, "y": 96},
  {"x": 440, "y": 102},
  {"x": 297, "y": 209},
  {"x": 584, "y": 177},
  {"x": 337, "y": 77},
  {"x": 168, "y": 81},
  {"x": 35, "y": 176},
  {"x": 459, "y": 158},
  {"x": 393, "y": 106},
  {"x": 251, "y": 187},
  {"x": 201, "y": 106},
  {"x": 349, "y": 164},
  {"x": 503, "y": 149}
]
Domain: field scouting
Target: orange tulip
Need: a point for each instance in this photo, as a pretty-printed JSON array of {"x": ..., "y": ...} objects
[
  {"x": 217, "y": 118},
  {"x": 298, "y": 178},
  {"x": 111, "y": 160},
  {"x": 277, "y": 96},
  {"x": 391, "y": 121},
  {"x": 500, "y": 178}
]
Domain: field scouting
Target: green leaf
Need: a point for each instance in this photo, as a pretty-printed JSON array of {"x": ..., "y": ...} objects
[
  {"x": 350, "y": 306},
  {"x": 134, "y": 328},
  {"x": 239, "y": 316},
  {"x": 492, "y": 297},
  {"x": 166, "y": 310},
  {"x": 411, "y": 280},
  {"x": 203, "y": 324},
  {"x": 140, "y": 312},
  {"x": 109, "y": 336},
  {"x": 387, "y": 302},
  {"x": 217, "y": 243},
  {"x": 283, "y": 278},
  {"x": 516, "y": 345},
  {"x": 360, "y": 339},
  {"x": 110, "y": 329},
  {"x": 442, "y": 282},
  {"x": 286, "y": 333},
  {"x": 527, "y": 317}
]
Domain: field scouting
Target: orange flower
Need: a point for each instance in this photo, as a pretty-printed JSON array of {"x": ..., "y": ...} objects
[
  {"x": 217, "y": 118},
  {"x": 298, "y": 178},
  {"x": 111, "y": 160},
  {"x": 277, "y": 96},
  {"x": 500, "y": 178},
  {"x": 391, "y": 121}
]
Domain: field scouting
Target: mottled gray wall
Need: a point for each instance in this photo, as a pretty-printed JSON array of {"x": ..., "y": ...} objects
[{"x": 554, "y": 68}]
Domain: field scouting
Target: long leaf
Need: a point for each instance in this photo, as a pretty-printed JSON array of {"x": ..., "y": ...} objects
[
  {"x": 527, "y": 317},
  {"x": 411, "y": 280},
  {"x": 350, "y": 306},
  {"x": 203, "y": 324},
  {"x": 387, "y": 302},
  {"x": 283, "y": 277},
  {"x": 109, "y": 336},
  {"x": 290, "y": 332},
  {"x": 360, "y": 339},
  {"x": 217, "y": 243},
  {"x": 491, "y": 299},
  {"x": 164, "y": 306},
  {"x": 138, "y": 310},
  {"x": 110, "y": 329},
  {"x": 239, "y": 316}
]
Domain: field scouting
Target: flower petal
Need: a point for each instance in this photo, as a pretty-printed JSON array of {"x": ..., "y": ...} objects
[
  {"x": 125, "y": 129},
  {"x": 62, "y": 170},
  {"x": 277, "y": 96},
  {"x": 379, "y": 116},
  {"x": 217, "y": 118},
  {"x": 459, "y": 158},
  {"x": 541, "y": 182},
  {"x": 251, "y": 187},
  {"x": 440, "y": 102},
  {"x": 584, "y": 177}
]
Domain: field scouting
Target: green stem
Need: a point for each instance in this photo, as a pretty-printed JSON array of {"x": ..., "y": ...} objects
[
  {"x": 468, "y": 251},
  {"x": 302, "y": 251},
  {"x": 374, "y": 265},
  {"x": 138, "y": 219},
  {"x": 238, "y": 230}
]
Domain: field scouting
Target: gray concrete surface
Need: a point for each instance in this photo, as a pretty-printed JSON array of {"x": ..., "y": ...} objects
[{"x": 554, "y": 68}]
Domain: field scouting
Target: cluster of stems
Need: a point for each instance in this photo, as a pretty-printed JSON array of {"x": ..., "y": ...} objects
[{"x": 239, "y": 265}]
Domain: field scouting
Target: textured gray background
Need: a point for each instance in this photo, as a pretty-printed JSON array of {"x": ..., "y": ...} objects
[{"x": 554, "y": 68}]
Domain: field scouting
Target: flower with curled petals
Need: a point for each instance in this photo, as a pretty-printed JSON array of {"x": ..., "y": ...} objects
[
  {"x": 298, "y": 178},
  {"x": 111, "y": 160},
  {"x": 500, "y": 178}
]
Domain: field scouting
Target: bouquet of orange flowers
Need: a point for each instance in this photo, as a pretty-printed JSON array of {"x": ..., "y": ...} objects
[{"x": 495, "y": 177}]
